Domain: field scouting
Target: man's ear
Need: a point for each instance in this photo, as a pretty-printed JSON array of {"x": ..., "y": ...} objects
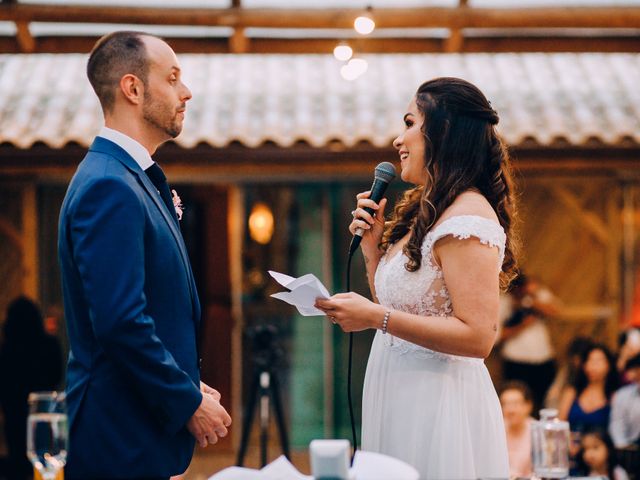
[{"x": 132, "y": 88}]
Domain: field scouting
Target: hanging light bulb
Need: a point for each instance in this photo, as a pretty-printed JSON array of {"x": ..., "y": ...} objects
[
  {"x": 343, "y": 52},
  {"x": 355, "y": 68},
  {"x": 364, "y": 24},
  {"x": 360, "y": 65},
  {"x": 348, "y": 73}
]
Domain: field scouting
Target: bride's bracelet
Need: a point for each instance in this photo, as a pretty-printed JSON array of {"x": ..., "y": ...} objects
[{"x": 385, "y": 321}]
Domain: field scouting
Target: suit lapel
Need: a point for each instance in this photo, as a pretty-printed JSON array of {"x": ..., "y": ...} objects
[{"x": 106, "y": 146}]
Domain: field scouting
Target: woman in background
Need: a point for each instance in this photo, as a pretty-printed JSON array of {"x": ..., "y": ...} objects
[
  {"x": 568, "y": 371},
  {"x": 30, "y": 361},
  {"x": 517, "y": 404},
  {"x": 587, "y": 403}
]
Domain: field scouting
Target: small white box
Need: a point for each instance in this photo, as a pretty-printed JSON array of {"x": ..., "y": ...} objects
[{"x": 330, "y": 459}]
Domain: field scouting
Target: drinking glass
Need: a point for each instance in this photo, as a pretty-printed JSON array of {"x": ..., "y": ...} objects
[{"x": 47, "y": 433}]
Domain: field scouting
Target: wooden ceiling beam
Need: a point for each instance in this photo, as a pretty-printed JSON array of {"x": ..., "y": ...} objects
[
  {"x": 238, "y": 42},
  {"x": 26, "y": 41},
  {"x": 429, "y": 17}
]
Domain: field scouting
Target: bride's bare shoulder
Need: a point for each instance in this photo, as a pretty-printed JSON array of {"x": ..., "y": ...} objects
[{"x": 470, "y": 202}]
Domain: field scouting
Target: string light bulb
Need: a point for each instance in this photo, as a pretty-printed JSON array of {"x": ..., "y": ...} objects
[
  {"x": 365, "y": 24},
  {"x": 355, "y": 68},
  {"x": 343, "y": 52}
]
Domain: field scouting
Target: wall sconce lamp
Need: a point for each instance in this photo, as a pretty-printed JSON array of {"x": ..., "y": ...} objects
[{"x": 261, "y": 223}]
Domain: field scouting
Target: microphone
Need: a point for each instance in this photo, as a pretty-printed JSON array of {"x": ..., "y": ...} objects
[{"x": 383, "y": 174}]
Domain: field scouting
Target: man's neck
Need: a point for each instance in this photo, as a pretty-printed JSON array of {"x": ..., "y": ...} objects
[{"x": 135, "y": 131}]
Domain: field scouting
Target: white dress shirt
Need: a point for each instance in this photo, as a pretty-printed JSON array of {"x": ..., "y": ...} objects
[
  {"x": 624, "y": 423},
  {"x": 129, "y": 145}
]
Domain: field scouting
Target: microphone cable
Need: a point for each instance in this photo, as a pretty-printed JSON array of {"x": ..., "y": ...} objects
[
  {"x": 384, "y": 173},
  {"x": 350, "y": 368}
]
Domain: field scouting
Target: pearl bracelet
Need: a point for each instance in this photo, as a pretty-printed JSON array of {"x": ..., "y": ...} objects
[{"x": 385, "y": 321}]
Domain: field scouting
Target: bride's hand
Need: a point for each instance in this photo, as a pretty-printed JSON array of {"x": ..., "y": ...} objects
[
  {"x": 372, "y": 225},
  {"x": 352, "y": 312}
]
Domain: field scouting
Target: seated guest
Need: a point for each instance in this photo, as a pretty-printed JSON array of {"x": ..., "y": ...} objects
[
  {"x": 597, "y": 457},
  {"x": 629, "y": 346},
  {"x": 30, "y": 360},
  {"x": 568, "y": 370},
  {"x": 517, "y": 403},
  {"x": 586, "y": 404},
  {"x": 624, "y": 425}
]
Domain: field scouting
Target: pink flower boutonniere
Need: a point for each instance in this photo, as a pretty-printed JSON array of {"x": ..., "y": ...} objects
[{"x": 177, "y": 204}]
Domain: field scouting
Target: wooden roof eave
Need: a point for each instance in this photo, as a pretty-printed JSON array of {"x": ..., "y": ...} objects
[{"x": 237, "y": 163}]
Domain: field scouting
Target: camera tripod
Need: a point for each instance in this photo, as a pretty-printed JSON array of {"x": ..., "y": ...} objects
[{"x": 265, "y": 386}]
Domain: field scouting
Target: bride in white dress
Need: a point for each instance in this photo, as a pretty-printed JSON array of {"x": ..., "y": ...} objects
[{"x": 435, "y": 271}]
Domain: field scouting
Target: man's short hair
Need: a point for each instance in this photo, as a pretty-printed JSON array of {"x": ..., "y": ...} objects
[
  {"x": 633, "y": 362},
  {"x": 113, "y": 56}
]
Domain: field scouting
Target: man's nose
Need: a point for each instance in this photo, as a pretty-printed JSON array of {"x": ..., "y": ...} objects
[{"x": 186, "y": 95}]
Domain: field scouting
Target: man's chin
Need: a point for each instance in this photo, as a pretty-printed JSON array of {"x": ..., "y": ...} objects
[
  {"x": 174, "y": 132},
  {"x": 176, "y": 129}
]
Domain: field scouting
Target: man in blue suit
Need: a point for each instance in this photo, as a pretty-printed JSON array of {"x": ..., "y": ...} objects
[{"x": 135, "y": 401}]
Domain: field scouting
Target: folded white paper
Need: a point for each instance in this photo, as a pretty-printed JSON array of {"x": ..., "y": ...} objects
[
  {"x": 376, "y": 466},
  {"x": 366, "y": 466},
  {"x": 279, "y": 469},
  {"x": 238, "y": 473},
  {"x": 303, "y": 294},
  {"x": 282, "y": 469}
]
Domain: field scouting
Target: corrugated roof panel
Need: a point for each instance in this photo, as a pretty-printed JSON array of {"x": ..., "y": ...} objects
[{"x": 253, "y": 99}]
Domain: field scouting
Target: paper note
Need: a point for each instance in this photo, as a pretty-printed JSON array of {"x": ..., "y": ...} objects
[
  {"x": 303, "y": 294},
  {"x": 282, "y": 469},
  {"x": 375, "y": 466},
  {"x": 279, "y": 469},
  {"x": 366, "y": 466}
]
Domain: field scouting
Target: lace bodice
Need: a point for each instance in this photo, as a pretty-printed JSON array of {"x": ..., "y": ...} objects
[{"x": 424, "y": 291}]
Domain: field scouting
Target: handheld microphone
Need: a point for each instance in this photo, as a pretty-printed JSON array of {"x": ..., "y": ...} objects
[{"x": 383, "y": 174}]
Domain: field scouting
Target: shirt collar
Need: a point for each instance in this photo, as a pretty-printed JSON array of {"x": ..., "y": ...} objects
[{"x": 131, "y": 146}]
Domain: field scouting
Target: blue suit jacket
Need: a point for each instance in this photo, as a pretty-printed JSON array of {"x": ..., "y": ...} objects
[{"x": 132, "y": 314}]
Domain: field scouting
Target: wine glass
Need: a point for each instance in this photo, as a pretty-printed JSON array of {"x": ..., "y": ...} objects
[{"x": 47, "y": 433}]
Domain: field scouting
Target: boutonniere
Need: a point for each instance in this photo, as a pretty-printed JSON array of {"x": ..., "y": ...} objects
[{"x": 177, "y": 204}]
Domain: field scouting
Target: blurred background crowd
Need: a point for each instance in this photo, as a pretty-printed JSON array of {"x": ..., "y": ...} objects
[{"x": 593, "y": 387}]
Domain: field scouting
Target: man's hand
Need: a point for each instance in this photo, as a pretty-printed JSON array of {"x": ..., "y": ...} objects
[
  {"x": 204, "y": 388},
  {"x": 210, "y": 420}
]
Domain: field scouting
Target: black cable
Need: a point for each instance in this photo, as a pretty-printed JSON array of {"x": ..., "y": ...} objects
[{"x": 349, "y": 369}]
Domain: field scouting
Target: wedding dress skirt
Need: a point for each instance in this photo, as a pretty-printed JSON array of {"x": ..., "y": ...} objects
[{"x": 435, "y": 411}]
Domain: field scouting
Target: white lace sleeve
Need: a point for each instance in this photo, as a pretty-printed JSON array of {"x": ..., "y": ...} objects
[{"x": 466, "y": 226}]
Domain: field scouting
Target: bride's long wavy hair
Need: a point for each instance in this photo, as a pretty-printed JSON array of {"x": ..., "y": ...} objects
[{"x": 462, "y": 152}]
